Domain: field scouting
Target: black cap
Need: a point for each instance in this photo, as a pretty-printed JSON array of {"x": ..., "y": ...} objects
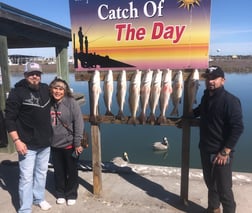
[{"x": 214, "y": 72}]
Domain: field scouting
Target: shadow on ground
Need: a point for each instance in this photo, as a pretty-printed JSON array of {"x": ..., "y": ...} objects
[
  {"x": 9, "y": 173},
  {"x": 151, "y": 188}
]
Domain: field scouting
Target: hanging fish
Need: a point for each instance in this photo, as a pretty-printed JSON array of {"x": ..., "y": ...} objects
[
  {"x": 108, "y": 92},
  {"x": 121, "y": 93},
  {"x": 145, "y": 94},
  {"x": 166, "y": 91},
  {"x": 193, "y": 86},
  {"x": 177, "y": 91},
  {"x": 134, "y": 96},
  {"x": 95, "y": 90},
  {"x": 154, "y": 95}
]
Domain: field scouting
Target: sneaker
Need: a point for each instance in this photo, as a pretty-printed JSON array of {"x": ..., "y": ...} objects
[
  {"x": 44, "y": 205},
  {"x": 60, "y": 201},
  {"x": 71, "y": 202}
]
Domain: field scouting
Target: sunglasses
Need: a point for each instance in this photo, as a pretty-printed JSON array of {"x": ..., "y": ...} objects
[{"x": 38, "y": 74}]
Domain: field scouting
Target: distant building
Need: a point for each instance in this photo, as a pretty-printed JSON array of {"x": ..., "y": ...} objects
[{"x": 23, "y": 59}]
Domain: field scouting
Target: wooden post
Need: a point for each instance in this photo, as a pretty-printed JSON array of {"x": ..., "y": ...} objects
[
  {"x": 185, "y": 147},
  {"x": 4, "y": 71},
  {"x": 4, "y": 89},
  {"x": 96, "y": 159},
  {"x": 62, "y": 63},
  {"x": 96, "y": 150}
]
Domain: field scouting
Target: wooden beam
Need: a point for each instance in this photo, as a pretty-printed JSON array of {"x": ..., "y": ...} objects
[
  {"x": 96, "y": 159},
  {"x": 62, "y": 63},
  {"x": 4, "y": 71},
  {"x": 86, "y": 75},
  {"x": 96, "y": 151},
  {"x": 8, "y": 146},
  {"x": 185, "y": 152}
]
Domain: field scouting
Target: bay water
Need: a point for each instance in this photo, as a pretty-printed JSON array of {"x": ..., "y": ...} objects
[{"x": 137, "y": 140}]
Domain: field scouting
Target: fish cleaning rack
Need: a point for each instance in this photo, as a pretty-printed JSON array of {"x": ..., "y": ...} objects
[{"x": 184, "y": 122}]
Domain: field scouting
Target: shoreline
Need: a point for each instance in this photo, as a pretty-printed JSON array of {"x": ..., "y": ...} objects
[
  {"x": 47, "y": 68},
  {"x": 229, "y": 65}
]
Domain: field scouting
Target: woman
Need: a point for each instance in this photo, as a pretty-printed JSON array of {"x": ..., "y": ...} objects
[{"x": 67, "y": 123}]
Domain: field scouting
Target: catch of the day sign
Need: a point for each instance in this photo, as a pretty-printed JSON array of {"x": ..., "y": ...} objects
[
  {"x": 157, "y": 34},
  {"x": 129, "y": 32}
]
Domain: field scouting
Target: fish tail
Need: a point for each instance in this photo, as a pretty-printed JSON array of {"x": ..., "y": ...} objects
[
  {"x": 161, "y": 119},
  {"x": 132, "y": 120},
  {"x": 120, "y": 115},
  {"x": 151, "y": 119},
  {"x": 109, "y": 113},
  {"x": 94, "y": 119},
  {"x": 175, "y": 112},
  {"x": 142, "y": 118}
]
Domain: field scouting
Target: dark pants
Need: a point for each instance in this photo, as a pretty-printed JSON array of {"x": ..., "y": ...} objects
[
  {"x": 219, "y": 183},
  {"x": 65, "y": 173}
]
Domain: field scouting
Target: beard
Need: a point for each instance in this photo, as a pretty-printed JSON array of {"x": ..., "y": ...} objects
[{"x": 34, "y": 86}]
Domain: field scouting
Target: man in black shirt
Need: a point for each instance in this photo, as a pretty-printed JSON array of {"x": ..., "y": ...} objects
[
  {"x": 27, "y": 119},
  {"x": 220, "y": 128}
]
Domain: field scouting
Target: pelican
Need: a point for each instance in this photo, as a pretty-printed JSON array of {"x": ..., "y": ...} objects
[{"x": 159, "y": 146}]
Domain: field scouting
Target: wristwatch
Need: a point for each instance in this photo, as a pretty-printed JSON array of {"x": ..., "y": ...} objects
[{"x": 223, "y": 152}]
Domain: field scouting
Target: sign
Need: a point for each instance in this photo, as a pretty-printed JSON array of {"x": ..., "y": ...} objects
[{"x": 140, "y": 34}]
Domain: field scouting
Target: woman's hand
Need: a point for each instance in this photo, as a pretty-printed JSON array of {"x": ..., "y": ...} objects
[{"x": 78, "y": 150}]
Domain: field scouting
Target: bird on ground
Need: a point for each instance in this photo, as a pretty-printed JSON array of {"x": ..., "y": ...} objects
[{"x": 160, "y": 146}]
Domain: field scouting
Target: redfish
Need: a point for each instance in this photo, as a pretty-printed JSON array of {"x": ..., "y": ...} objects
[
  {"x": 95, "y": 90},
  {"x": 193, "y": 86},
  {"x": 166, "y": 91},
  {"x": 145, "y": 94},
  {"x": 121, "y": 93},
  {"x": 154, "y": 95},
  {"x": 108, "y": 92},
  {"x": 134, "y": 96},
  {"x": 177, "y": 88}
]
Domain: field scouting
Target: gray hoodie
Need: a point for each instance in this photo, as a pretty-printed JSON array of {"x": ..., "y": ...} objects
[{"x": 69, "y": 112}]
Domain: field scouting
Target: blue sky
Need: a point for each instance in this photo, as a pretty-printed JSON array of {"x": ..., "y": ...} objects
[{"x": 231, "y": 26}]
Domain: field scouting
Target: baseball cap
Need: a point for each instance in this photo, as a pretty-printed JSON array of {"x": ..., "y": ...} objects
[
  {"x": 214, "y": 72},
  {"x": 32, "y": 67}
]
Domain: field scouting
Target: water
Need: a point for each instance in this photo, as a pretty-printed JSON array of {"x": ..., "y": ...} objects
[{"x": 137, "y": 140}]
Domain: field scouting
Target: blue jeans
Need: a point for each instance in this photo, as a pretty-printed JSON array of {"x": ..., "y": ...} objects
[{"x": 32, "y": 178}]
